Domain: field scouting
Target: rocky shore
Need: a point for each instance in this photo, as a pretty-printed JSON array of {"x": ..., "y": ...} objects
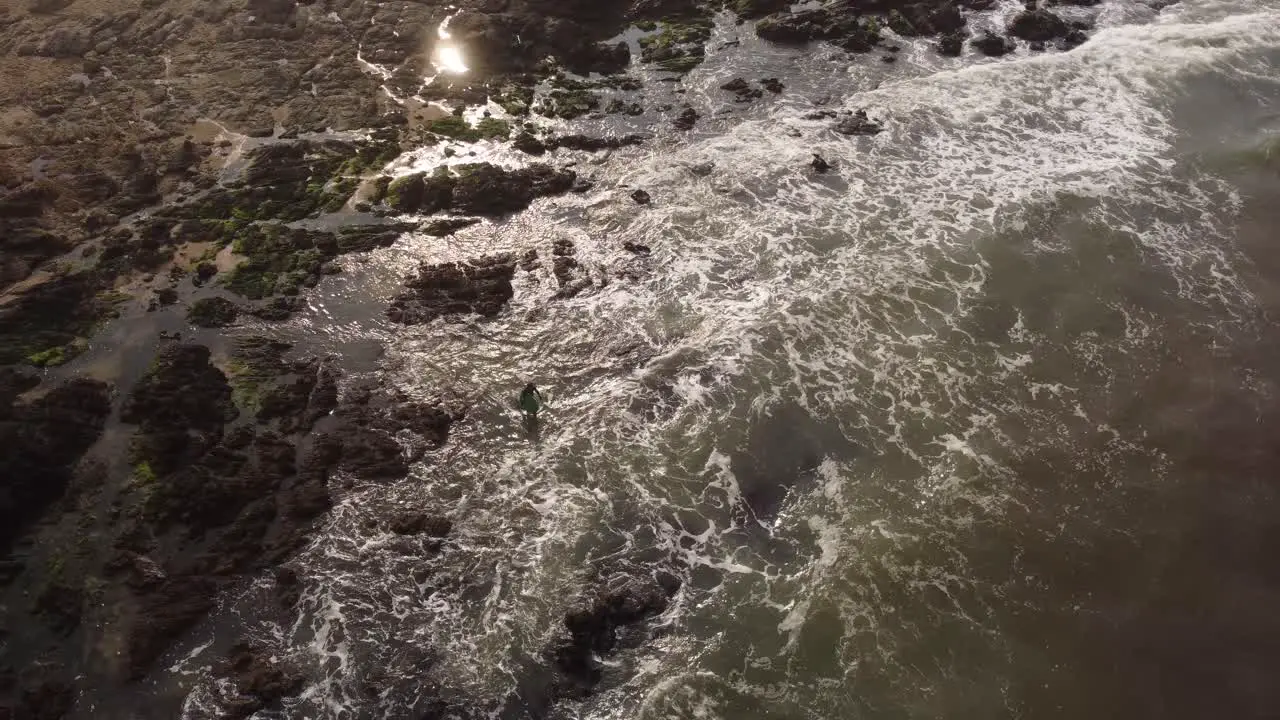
[{"x": 217, "y": 160}]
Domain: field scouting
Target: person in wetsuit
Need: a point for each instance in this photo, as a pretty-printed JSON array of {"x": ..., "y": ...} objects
[{"x": 531, "y": 401}]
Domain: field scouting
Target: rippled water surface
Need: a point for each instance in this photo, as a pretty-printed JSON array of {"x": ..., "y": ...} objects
[{"x": 981, "y": 424}]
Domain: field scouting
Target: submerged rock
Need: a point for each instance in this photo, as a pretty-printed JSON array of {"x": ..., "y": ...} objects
[
  {"x": 641, "y": 197},
  {"x": 742, "y": 90},
  {"x": 448, "y": 226},
  {"x": 819, "y": 164},
  {"x": 686, "y": 119},
  {"x": 420, "y": 523}
]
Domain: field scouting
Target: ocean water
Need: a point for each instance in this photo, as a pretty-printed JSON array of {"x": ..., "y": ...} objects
[{"x": 981, "y": 424}]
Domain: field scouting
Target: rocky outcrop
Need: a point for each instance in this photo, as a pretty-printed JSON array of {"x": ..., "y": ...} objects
[
  {"x": 603, "y": 621},
  {"x": 477, "y": 287},
  {"x": 1038, "y": 25},
  {"x": 483, "y": 189},
  {"x": 242, "y": 496}
]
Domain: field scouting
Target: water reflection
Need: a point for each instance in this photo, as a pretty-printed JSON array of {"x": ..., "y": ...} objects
[{"x": 448, "y": 56}]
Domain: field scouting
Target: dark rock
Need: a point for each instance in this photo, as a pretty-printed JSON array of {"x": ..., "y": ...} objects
[
  {"x": 1077, "y": 3},
  {"x": 570, "y": 276},
  {"x": 586, "y": 143},
  {"x": 43, "y": 440},
  {"x": 755, "y": 9},
  {"x": 420, "y": 193},
  {"x": 180, "y": 406},
  {"x": 593, "y": 624},
  {"x": 212, "y": 312},
  {"x": 44, "y": 692},
  {"x": 481, "y": 287},
  {"x": 166, "y": 296},
  {"x": 858, "y": 124},
  {"x": 1074, "y": 38},
  {"x": 773, "y": 85},
  {"x": 598, "y": 58},
  {"x": 164, "y": 612},
  {"x": 993, "y": 45},
  {"x": 686, "y": 119},
  {"x": 951, "y": 44},
  {"x": 526, "y": 143},
  {"x": 418, "y": 523},
  {"x": 205, "y": 271},
  {"x": 920, "y": 19},
  {"x": 1037, "y": 26},
  {"x": 448, "y": 226},
  {"x": 288, "y": 587},
  {"x": 489, "y": 190},
  {"x": 819, "y": 164},
  {"x": 262, "y": 681},
  {"x": 641, "y": 197},
  {"x": 636, "y": 248}
]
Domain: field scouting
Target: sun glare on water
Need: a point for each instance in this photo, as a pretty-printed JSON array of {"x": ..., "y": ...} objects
[{"x": 449, "y": 59}]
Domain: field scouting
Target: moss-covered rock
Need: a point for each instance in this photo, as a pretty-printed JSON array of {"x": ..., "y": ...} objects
[
  {"x": 212, "y": 312},
  {"x": 678, "y": 46}
]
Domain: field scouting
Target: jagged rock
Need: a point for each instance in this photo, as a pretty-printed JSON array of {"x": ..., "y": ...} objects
[
  {"x": 951, "y": 44},
  {"x": 858, "y": 124},
  {"x": 641, "y": 197},
  {"x": 819, "y": 164},
  {"x": 481, "y": 286},
  {"x": 636, "y": 248},
  {"x": 1037, "y": 26},
  {"x": 593, "y": 623},
  {"x": 773, "y": 85}
]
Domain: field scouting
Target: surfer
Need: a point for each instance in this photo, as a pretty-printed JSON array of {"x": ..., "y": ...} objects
[{"x": 531, "y": 401}]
